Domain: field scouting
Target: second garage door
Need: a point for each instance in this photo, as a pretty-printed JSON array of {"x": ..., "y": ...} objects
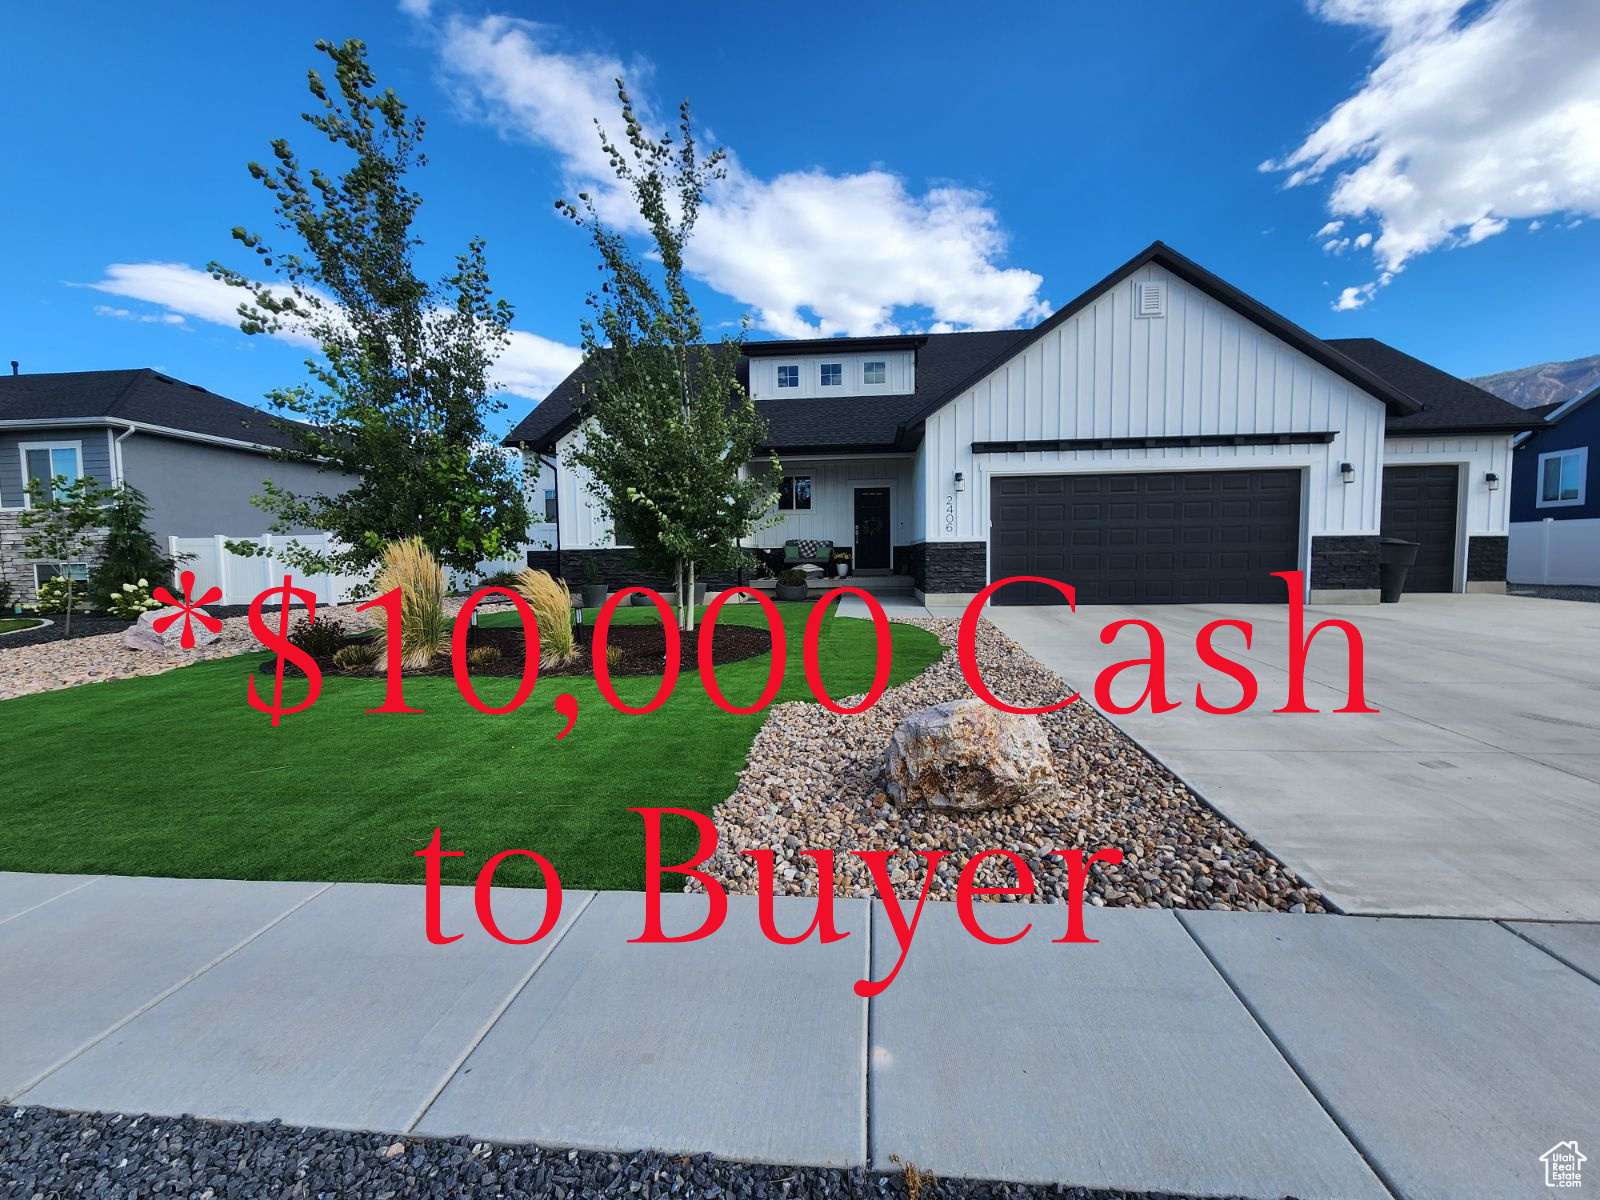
[
  {"x": 1182, "y": 537},
  {"x": 1419, "y": 505}
]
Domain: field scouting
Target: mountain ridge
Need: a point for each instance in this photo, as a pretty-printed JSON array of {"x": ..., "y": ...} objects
[{"x": 1544, "y": 383}]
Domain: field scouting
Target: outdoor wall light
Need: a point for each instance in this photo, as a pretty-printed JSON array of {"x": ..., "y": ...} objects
[
  {"x": 1347, "y": 472},
  {"x": 961, "y": 482},
  {"x": 1493, "y": 481}
]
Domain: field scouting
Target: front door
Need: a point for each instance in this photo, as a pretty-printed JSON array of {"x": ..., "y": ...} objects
[{"x": 872, "y": 529}]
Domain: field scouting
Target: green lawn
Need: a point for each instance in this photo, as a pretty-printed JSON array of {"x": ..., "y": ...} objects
[
  {"x": 176, "y": 775},
  {"x": 10, "y": 624}
]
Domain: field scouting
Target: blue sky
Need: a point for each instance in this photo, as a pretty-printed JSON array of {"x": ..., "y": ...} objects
[{"x": 965, "y": 168}]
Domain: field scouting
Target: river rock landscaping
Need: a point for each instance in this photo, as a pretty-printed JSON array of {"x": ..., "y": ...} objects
[{"x": 814, "y": 781}]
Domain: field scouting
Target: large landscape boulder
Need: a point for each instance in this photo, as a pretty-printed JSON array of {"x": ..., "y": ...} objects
[
  {"x": 964, "y": 756},
  {"x": 142, "y": 633}
]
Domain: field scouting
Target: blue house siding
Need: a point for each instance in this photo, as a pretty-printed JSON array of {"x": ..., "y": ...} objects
[
  {"x": 95, "y": 449},
  {"x": 1581, "y": 427}
]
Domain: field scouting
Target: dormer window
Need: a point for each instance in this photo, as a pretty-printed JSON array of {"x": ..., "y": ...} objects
[
  {"x": 789, "y": 376},
  {"x": 875, "y": 371},
  {"x": 832, "y": 374}
]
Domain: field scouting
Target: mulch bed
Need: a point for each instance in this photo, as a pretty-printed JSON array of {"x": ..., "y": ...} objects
[
  {"x": 82, "y": 627},
  {"x": 643, "y": 651}
]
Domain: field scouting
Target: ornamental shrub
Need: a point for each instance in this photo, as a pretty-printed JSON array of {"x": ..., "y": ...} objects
[
  {"x": 320, "y": 639},
  {"x": 128, "y": 550},
  {"x": 357, "y": 656},
  {"x": 551, "y": 602},
  {"x": 424, "y": 634},
  {"x": 130, "y": 600},
  {"x": 53, "y": 595}
]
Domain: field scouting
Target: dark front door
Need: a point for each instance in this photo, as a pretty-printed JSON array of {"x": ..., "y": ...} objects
[
  {"x": 872, "y": 529},
  {"x": 1178, "y": 537},
  {"x": 1419, "y": 505}
]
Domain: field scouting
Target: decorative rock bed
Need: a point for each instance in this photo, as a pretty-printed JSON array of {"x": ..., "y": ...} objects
[{"x": 813, "y": 781}]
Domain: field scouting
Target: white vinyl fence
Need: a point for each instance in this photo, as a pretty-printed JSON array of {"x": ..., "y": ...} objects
[
  {"x": 242, "y": 579},
  {"x": 1551, "y": 551}
]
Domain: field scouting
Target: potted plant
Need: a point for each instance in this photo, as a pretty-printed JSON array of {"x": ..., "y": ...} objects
[
  {"x": 841, "y": 563},
  {"x": 792, "y": 584},
  {"x": 595, "y": 589}
]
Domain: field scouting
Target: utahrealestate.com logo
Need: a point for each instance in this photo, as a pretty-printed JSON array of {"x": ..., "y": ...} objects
[{"x": 1563, "y": 1165}]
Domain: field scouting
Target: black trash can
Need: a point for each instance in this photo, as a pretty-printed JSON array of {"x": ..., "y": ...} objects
[{"x": 1395, "y": 556}]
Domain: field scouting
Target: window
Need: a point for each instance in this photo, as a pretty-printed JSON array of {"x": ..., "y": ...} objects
[
  {"x": 1561, "y": 477},
  {"x": 44, "y": 461},
  {"x": 832, "y": 374},
  {"x": 789, "y": 377},
  {"x": 550, "y": 505},
  {"x": 43, "y": 571},
  {"x": 876, "y": 371},
  {"x": 795, "y": 493}
]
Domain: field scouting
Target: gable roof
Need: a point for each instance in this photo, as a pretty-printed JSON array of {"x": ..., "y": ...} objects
[
  {"x": 1560, "y": 412},
  {"x": 1448, "y": 404},
  {"x": 143, "y": 396},
  {"x": 1418, "y": 397}
]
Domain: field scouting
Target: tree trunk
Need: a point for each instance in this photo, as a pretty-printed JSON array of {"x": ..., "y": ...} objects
[
  {"x": 67, "y": 628},
  {"x": 688, "y": 601}
]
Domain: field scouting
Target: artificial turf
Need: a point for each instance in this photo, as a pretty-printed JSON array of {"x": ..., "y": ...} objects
[
  {"x": 11, "y": 624},
  {"x": 176, "y": 775}
]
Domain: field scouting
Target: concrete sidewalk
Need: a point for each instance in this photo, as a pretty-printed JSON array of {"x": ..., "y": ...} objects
[{"x": 1197, "y": 1053}]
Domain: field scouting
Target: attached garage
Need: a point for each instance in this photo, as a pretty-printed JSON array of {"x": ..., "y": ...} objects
[
  {"x": 1420, "y": 505},
  {"x": 1180, "y": 537}
]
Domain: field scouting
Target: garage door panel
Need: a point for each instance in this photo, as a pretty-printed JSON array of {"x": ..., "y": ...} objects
[
  {"x": 1420, "y": 505},
  {"x": 1149, "y": 537}
]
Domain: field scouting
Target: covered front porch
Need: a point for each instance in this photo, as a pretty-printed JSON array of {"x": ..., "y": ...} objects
[{"x": 856, "y": 505}]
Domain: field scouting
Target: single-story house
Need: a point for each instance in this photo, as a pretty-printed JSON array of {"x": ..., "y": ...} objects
[
  {"x": 198, "y": 457},
  {"x": 1555, "y": 495},
  {"x": 1162, "y": 438}
]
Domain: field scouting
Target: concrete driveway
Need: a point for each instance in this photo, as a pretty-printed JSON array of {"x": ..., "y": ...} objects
[{"x": 1474, "y": 792}]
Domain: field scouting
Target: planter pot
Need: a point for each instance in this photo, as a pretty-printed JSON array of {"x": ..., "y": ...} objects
[
  {"x": 842, "y": 570},
  {"x": 1395, "y": 557},
  {"x": 640, "y": 599},
  {"x": 594, "y": 594},
  {"x": 699, "y": 593},
  {"x": 798, "y": 592}
]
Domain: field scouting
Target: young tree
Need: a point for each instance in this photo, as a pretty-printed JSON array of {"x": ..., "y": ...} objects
[
  {"x": 401, "y": 393},
  {"x": 668, "y": 428},
  {"x": 128, "y": 551},
  {"x": 64, "y": 518}
]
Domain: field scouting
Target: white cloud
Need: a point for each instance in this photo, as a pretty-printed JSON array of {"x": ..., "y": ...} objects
[
  {"x": 1474, "y": 116},
  {"x": 123, "y": 314},
  {"x": 809, "y": 251},
  {"x": 530, "y": 366},
  {"x": 417, "y": 8},
  {"x": 1328, "y": 230}
]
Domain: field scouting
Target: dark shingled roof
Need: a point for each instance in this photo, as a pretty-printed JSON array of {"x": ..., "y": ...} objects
[
  {"x": 1449, "y": 405},
  {"x": 141, "y": 395},
  {"x": 1418, "y": 398}
]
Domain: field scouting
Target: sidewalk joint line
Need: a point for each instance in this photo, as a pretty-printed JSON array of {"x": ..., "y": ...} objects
[
  {"x": 866, "y": 1072},
  {"x": 151, "y": 1003},
  {"x": 494, "y": 1019},
  {"x": 51, "y": 899},
  {"x": 1378, "y": 1172},
  {"x": 1503, "y": 922}
]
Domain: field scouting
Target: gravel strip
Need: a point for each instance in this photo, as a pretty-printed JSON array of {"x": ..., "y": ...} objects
[
  {"x": 49, "y": 1154},
  {"x": 811, "y": 783},
  {"x": 56, "y": 664},
  {"x": 1556, "y": 591}
]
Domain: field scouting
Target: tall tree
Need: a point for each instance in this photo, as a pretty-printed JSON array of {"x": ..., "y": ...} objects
[
  {"x": 669, "y": 428},
  {"x": 65, "y": 520},
  {"x": 401, "y": 391}
]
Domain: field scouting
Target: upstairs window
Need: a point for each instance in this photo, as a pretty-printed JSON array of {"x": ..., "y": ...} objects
[
  {"x": 550, "y": 505},
  {"x": 45, "y": 462},
  {"x": 789, "y": 377},
  {"x": 794, "y": 495},
  {"x": 873, "y": 372},
  {"x": 1561, "y": 477},
  {"x": 832, "y": 374}
]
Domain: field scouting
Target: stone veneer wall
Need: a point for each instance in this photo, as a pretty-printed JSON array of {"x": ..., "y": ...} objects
[
  {"x": 949, "y": 567},
  {"x": 1346, "y": 562},
  {"x": 16, "y": 565},
  {"x": 1486, "y": 558}
]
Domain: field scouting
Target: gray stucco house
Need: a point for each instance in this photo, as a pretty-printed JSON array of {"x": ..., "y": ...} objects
[{"x": 198, "y": 457}]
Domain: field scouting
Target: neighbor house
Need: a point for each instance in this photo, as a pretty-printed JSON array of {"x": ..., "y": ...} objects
[
  {"x": 198, "y": 457},
  {"x": 1162, "y": 438},
  {"x": 1555, "y": 496}
]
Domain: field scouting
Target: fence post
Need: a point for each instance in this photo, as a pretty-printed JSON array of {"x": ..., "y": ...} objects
[
  {"x": 1545, "y": 527},
  {"x": 222, "y": 568}
]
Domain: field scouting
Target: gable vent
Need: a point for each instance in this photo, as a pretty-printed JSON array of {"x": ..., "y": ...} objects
[{"x": 1150, "y": 299}]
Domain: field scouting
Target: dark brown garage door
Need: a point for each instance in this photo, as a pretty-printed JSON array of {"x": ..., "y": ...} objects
[
  {"x": 1185, "y": 537},
  {"x": 1419, "y": 504}
]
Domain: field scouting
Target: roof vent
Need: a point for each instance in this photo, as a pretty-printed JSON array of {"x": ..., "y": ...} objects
[{"x": 1149, "y": 298}]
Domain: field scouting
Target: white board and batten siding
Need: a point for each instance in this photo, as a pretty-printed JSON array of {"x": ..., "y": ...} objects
[
  {"x": 1199, "y": 369},
  {"x": 832, "y": 512},
  {"x": 1483, "y": 512}
]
